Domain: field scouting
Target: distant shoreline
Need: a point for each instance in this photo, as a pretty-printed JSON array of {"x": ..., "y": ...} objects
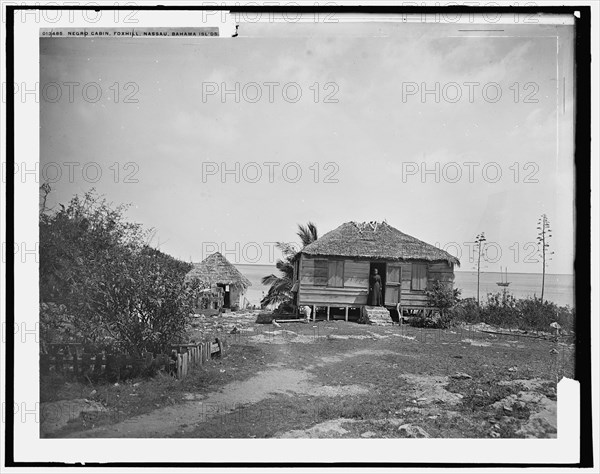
[{"x": 455, "y": 271}]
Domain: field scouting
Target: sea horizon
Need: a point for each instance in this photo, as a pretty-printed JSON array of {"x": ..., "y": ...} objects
[
  {"x": 455, "y": 271},
  {"x": 559, "y": 287}
]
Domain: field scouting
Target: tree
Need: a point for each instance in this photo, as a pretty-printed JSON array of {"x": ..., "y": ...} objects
[
  {"x": 280, "y": 291},
  {"x": 479, "y": 240},
  {"x": 307, "y": 233},
  {"x": 104, "y": 282},
  {"x": 543, "y": 240}
]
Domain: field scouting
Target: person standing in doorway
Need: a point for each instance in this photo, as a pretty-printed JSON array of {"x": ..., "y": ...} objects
[{"x": 376, "y": 289}]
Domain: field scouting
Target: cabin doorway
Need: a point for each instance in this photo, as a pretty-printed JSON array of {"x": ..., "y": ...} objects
[
  {"x": 381, "y": 271},
  {"x": 226, "y": 295}
]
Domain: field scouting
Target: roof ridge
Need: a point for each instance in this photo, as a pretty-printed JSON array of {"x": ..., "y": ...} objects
[{"x": 365, "y": 239}]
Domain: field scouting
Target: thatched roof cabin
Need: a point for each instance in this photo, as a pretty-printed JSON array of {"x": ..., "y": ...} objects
[
  {"x": 375, "y": 240},
  {"x": 339, "y": 269},
  {"x": 216, "y": 271}
]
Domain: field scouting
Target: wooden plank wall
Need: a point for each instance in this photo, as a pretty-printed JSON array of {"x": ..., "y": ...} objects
[
  {"x": 314, "y": 290},
  {"x": 440, "y": 271}
]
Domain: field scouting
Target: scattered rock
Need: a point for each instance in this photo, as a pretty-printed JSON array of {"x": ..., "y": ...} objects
[
  {"x": 368, "y": 434},
  {"x": 412, "y": 431},
  {"x": 137, "y": 384},
  {"x": 327, "y": 429},
  {"x": 389, "y": 421},
  {"x": 56, "y": 415},
  {"x": 93, "y": 392},
  {"x": 513, "y": 369},
  {"x": 461, "y": 376},
  {"x": 235, "y": 330},
  {"x": 432, "y": 385},
  {"x": 265, "y": 318},
  {"x": 494, "y": 434}
]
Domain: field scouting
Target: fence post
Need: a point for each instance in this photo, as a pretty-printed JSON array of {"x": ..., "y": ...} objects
[
  {"x": 86, "y": 359},
  {"x": 75, "y": 353},
  {"x": 59, "y": 363},
  {"x": 112, "y": 367}
]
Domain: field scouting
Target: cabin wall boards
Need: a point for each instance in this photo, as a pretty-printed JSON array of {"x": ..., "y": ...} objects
[{"x": 331, "y": 281}]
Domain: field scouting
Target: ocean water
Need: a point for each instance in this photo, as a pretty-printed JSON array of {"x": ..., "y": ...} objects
[{"x": 559, "y": 288}]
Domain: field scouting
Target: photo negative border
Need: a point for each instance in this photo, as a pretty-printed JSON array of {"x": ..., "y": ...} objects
[{"x": 582, "y": 164}]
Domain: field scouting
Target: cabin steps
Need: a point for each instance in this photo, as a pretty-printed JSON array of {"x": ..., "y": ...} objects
[{"x": 376, "y": 315}]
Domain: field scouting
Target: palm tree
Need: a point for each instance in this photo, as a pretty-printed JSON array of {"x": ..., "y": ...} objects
[
  {"x": 280, "y": 290},
  {"x": 307, "y": 233}
]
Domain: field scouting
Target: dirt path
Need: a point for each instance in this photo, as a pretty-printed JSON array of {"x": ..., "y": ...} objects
[{"x": 186, "y": 416}]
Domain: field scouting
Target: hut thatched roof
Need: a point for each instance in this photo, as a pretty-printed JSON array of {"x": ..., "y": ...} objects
[
  {"x": 216, "y": 269},
  {"x": 375, "y": 240}
]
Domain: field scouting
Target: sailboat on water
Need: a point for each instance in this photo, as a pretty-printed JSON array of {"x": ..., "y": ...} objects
[{"x": 503, "y": 279}]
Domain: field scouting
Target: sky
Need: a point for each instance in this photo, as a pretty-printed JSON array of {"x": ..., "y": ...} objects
[{"x": 361, "y": 134}]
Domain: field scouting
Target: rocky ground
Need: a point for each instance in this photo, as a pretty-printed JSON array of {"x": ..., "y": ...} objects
[{"x": 334, "y": 380}]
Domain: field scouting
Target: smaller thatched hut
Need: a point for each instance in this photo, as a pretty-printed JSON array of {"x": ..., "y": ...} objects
[{"x": 226, "y": 284}]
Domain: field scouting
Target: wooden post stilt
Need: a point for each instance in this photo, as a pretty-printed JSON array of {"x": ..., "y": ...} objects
[
  {"x": 346, "y": 315},
  {"x": 328, "y": 313},
  {"x": 314, "y": 313}
]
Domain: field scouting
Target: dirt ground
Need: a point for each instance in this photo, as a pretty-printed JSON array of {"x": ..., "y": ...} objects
[{"x": 341, "y": 380}]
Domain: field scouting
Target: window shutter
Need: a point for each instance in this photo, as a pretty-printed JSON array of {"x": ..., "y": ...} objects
[
  {"x": 320, "y": 275},
  {"x": 419, "y": 276},
  {"x": 336, "y": 273}
]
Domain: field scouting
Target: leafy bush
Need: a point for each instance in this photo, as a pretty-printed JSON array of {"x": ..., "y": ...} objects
[
  {"x": 504, "y": 310},
  {"x": 443, "y": 297},
  {"x": 501, "y": 310},
  {"x": 537, "y": 314},
  {"x": 467, "y": 310},
  {"x": 100, "y": 282}
]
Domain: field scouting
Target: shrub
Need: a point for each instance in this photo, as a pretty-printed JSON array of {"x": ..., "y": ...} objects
[
  {"x": 100, "y": 281},
  {"x": 501, "y": 310},
  {"x": 504, "y": 310},
  {"x": 537, "y": 314},
  {"x": 467, "y": 310},
  {"x": 444, "y": 298}
]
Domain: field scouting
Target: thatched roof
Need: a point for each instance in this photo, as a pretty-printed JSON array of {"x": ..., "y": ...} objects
[
  {"x": 375, "y": 240},
  {"x": 216, "y": 269}
]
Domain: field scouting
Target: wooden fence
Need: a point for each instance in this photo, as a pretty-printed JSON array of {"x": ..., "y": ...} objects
[
  {"x": 72, "y": 359},
  {"x": 189, "y": 355}
]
